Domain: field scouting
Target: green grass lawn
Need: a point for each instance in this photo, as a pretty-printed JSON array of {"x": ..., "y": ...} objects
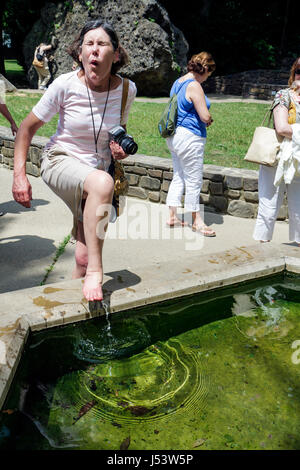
[
  {"x": 227, "y": 139},
  {"x": 15, "y": 73}
]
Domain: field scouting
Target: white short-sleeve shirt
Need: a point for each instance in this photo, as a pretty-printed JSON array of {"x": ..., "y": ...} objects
[{"x": 68, "y": 96}]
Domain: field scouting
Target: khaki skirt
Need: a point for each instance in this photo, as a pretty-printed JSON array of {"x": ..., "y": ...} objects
[{"x": 65, "y": 175}]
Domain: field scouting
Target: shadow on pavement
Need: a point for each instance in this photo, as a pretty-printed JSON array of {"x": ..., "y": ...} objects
[
  {"x": 12, "y": 207},
  {"x": 21, "y": 265},
  {"x": 123, "y": 279}
]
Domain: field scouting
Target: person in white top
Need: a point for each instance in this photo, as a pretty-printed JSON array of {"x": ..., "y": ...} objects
[
  {"x": 4, "y": 109},
  {"x": 5, "y": 113},
  {"x": 76, "y": 160},
  {"x": 286, "y": 111}
]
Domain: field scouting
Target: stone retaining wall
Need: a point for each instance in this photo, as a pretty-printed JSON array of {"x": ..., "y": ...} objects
[
  {"x": 231, "y": 191},
  {"x": 256, "y": 84},
  {"x": 7, "y": 151}
]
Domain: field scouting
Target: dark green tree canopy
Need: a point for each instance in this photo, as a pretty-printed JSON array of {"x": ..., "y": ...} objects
[
  {"x": 240, "y": 35},
  {"x": 17, "y": 18}
]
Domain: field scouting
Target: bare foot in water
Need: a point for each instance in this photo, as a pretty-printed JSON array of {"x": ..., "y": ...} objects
[{"x": 92, "y": 287}]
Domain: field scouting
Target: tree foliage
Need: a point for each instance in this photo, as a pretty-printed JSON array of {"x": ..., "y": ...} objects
[
  {"x": 17, "y": 18},
  {"x": 240, "y": 35}
]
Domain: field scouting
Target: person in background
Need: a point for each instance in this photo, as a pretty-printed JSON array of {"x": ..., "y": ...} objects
[
  {"x": 5, "y": 112},
  {"x": 4, "y": 109},
  {"x": 188, "y": 143},
  {"x": 76, "y": 161},
  {"x": 44, "y": 75},
  {"x": 286, "y": 112}
]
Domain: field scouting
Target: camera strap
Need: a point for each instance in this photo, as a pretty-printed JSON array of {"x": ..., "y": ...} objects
[
  {"x": 97, "y": 137},
  {"x": 124, "y": 97}
]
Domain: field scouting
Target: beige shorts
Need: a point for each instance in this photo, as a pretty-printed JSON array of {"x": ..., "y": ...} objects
[{"x": 65, "y": 175}]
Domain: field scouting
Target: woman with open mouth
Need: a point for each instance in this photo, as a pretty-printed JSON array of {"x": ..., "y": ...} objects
[{"x": 77, "y": 158}]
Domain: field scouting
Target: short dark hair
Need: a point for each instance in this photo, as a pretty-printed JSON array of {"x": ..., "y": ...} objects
[{"x": 74, "y": 49}]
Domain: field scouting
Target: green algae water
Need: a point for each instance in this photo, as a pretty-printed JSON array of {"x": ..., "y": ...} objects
[{"x": 219, "y": 370}]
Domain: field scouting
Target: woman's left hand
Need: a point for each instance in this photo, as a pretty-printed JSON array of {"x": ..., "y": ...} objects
[{"x": 117, "y": 151}]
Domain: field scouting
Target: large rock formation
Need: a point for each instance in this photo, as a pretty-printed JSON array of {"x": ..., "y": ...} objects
[{"x": 157, "y": 49}]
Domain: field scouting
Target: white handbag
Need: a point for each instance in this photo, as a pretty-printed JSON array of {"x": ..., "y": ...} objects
[{"x": 265, "y": 145}]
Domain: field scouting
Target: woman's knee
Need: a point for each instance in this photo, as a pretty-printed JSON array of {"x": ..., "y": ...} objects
[{"x": 99, "y": 182}]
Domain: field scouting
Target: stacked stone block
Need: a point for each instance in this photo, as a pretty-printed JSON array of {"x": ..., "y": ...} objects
[
  {"x": 231, "y": 191},
  {"x": 7, "y": 145},
  {"x": 256, "y": 84}
]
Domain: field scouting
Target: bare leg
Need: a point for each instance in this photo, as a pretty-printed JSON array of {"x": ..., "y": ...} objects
[
  {"x": 81, "y": 254},
  {"x": 99, "y": 188}
]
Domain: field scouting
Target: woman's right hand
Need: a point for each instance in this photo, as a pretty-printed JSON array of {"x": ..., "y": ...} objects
[{"x": 22, "y": 190}]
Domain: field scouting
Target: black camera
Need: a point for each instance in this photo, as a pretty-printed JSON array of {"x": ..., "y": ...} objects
[{"x": 127, "y": 143}]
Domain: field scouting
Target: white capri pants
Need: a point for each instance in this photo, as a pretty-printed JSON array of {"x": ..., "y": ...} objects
[
  {"x": 270, "y": 200},
  {"x": 187, "y": 150}
]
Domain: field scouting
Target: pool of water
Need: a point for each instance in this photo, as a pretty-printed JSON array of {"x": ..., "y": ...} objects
[{"x": 219, "y": 370}]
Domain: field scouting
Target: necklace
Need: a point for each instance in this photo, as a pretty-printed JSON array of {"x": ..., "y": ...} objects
[{"x": 97, "y": 137}]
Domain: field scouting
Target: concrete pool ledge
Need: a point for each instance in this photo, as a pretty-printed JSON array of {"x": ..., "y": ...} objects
[{"x": 61, "y": 303}]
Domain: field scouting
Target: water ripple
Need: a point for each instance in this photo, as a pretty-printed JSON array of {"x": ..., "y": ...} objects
[{"x": 164, "y": 379}]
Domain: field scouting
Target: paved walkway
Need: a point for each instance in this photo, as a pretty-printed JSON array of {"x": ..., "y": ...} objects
[{"x": 29, "y": 238}]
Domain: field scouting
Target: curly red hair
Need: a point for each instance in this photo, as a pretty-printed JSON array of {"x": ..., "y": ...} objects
[
  {"x": 292, "y": 72},
  {"x": 201, "y": 63}
]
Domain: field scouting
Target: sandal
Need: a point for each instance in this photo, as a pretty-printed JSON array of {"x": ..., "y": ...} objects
[
  {"x": 204, "y": 230},
  {"x": 178, "y": 223}
]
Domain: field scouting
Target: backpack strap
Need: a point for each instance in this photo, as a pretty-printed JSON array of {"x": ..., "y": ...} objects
[
  {"x": 124, "y": 97},
  {"x": 181, "y": 85}
]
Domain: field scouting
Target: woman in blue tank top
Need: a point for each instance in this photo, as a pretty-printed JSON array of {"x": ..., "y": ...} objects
[{"x": 188, "y": 142}]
